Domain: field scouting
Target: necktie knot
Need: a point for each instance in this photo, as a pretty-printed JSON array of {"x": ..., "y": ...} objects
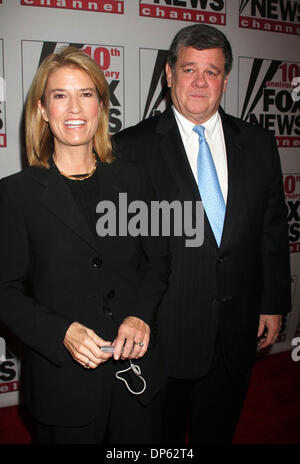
[{"x": 200, "y": 131}]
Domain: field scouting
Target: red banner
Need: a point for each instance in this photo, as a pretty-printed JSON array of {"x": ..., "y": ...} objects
[
  {"x": 9, "y": 387},
  {"x": 268, "y": 25},
  {"x": 102, "y": 6},
  {"x": 182, "y": 14}
]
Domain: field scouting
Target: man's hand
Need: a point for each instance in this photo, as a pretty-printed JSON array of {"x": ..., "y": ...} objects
[
  {"x": 272, "y": 323},
  {"x": 133, "y": 337},
  {"x": 84, "y": 346}
]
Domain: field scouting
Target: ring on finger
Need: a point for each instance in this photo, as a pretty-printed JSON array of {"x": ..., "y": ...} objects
[
  {"x": 87, "y": 365},
  {"x": 140, "y": 343}
]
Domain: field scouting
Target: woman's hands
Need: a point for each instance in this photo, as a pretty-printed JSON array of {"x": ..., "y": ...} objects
[
  {"x": 84, "y": 346},
  {"x": 133, "y": 337}
]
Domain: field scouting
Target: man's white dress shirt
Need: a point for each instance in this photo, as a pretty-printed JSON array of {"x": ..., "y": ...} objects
[{"x": 215, "y": 138}]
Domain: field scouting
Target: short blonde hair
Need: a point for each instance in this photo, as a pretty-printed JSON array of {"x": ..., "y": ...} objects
[{"x": 39, "y": 138}]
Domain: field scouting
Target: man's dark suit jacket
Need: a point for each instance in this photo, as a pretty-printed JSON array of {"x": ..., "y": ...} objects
[
  {"x": 74, "y": 276},
  {"x": 218, "y": 290}
]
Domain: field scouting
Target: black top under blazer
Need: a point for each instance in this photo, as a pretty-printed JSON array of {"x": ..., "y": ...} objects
[
  {"x": 218, "y": 290},
  {"x": 46, "y": 243}
]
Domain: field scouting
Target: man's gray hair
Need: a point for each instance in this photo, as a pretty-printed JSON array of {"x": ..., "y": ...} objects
[{"x": 201, "y": 37}]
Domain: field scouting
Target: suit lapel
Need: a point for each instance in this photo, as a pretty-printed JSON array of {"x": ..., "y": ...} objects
[
  {"x": 173, "y": 152},
  {"x": 234, "y": 151},
  {"x": 58, "y": 199}
]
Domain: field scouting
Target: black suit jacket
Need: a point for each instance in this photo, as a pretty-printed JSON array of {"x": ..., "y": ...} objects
[
  {"x": 215, "y": 289},
  {"x": 74, "y": 276}
]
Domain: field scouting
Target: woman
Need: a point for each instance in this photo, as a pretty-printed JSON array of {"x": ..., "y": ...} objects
[{"x": 86, "y": 291}]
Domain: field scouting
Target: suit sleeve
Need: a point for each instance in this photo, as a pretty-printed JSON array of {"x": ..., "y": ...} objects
[
  {"x": 276, "y": 293},
  {"x": 33, "y": 324}
]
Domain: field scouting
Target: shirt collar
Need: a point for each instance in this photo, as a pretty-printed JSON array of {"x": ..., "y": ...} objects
[{"x": 186, "y": 126}]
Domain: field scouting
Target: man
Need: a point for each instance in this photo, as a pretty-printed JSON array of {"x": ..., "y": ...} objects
[{"x": 235, "y": 287}]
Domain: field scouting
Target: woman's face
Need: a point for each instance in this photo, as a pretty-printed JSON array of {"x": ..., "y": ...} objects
[{"x": 72, "y": 108}]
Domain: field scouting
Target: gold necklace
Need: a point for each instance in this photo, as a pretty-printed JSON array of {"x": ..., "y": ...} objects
[{"x": 85, "y": 176}]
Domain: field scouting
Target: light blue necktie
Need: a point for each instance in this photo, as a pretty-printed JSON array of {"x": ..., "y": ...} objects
[{"x": 209, "y": 187}]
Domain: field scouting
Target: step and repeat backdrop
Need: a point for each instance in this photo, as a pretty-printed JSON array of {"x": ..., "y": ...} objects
[{"x": 129, "y": 40}]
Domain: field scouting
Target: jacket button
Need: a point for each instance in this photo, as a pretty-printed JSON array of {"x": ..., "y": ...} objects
[
  {"x": 110, "y": 294},
  {"x": 107, "y": 311},
  {"x": 220, "y": 260},
  {"x": 97, "y": 262},
  {"x": 215, "y": 301}
]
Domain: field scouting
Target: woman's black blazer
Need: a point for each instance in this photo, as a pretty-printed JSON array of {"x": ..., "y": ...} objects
[{"x": 54, "y": 271}]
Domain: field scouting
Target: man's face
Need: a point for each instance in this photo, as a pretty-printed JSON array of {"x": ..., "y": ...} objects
[{"x": 197, "y": 83}]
